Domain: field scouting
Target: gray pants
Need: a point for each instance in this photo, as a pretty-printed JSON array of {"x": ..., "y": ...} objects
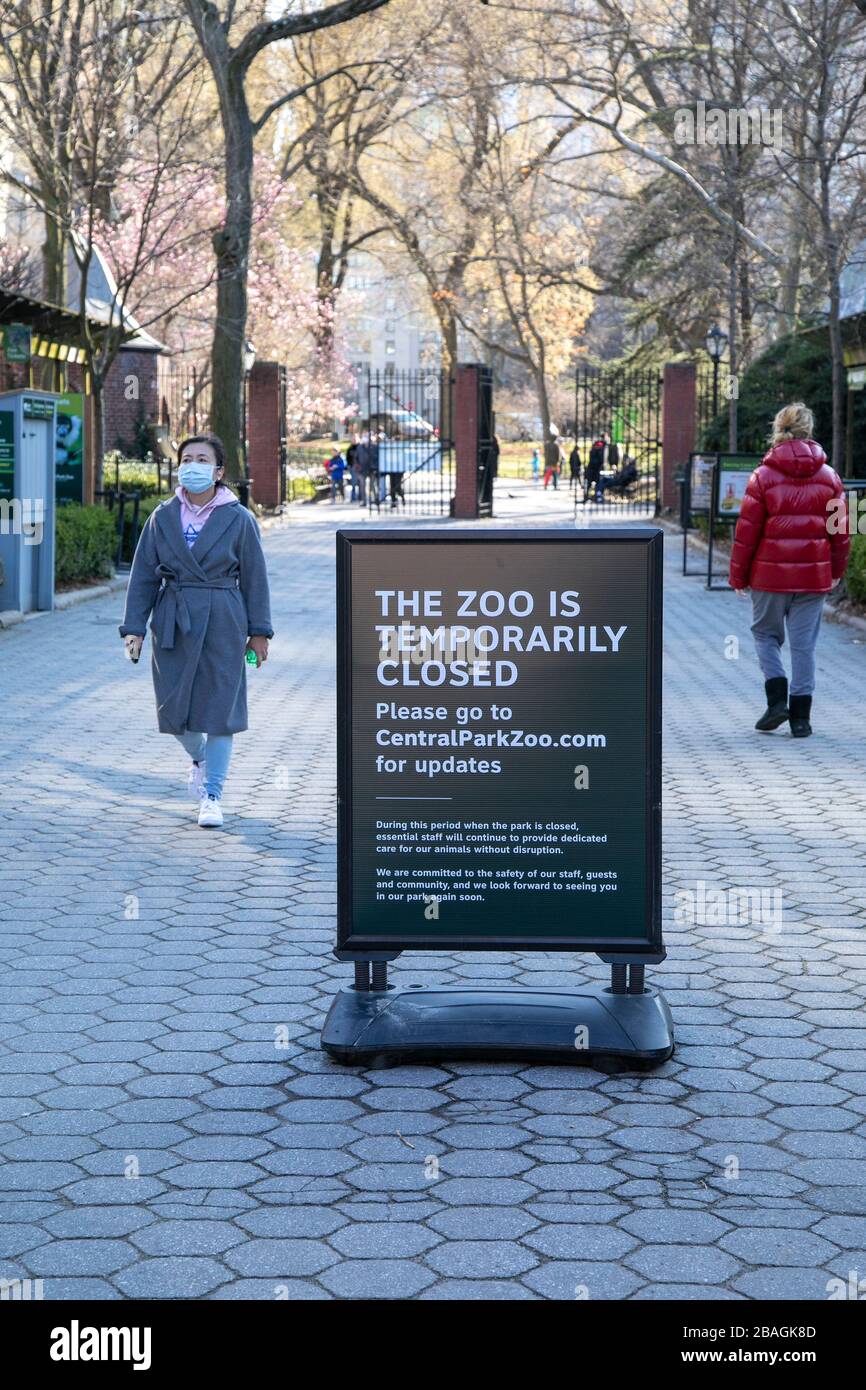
[{"x": 802, "y": 614}]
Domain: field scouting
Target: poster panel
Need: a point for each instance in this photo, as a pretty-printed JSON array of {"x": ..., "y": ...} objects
[
  {"x": 734, "y": 473},
  {"x": 701, "y": 481},
  {"x": 69, "y": 448}
]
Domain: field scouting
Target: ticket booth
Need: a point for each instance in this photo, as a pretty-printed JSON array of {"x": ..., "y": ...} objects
[{"x": 27, "y": 501}]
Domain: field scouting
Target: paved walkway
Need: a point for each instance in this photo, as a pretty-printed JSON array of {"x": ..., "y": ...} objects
[{"x": 168, "y": 1125}]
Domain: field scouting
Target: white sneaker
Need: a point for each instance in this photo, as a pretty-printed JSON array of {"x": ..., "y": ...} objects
[
  {"x": 195, "y": 782},
  {"x": 210, "y": 811}
]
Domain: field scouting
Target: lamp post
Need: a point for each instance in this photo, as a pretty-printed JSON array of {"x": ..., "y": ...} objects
[
  {"x": 716, "y": 341},
  {"x": 249, "y": 360}
]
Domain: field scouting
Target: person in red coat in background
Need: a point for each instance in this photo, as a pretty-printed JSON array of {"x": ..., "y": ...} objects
[{"x": 790, "y": 548}]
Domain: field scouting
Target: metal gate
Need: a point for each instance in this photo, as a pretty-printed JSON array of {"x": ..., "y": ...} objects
[
  {"x": 487, "y": 452},
  {"x": 618, "y": 437},
  {"x": 284, "y": 452},
  {"x": 408, "y": 417}
]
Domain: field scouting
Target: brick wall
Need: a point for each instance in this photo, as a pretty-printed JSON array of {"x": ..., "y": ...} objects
[
  {"x": 130, "y": 393},
  {"x": 263, "y": 432},
  {"x": 466, "y": 425},
  {"x": 679, "y": 421}
]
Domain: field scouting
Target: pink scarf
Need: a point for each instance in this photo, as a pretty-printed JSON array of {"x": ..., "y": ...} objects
[{"x": 192, "y": 518}]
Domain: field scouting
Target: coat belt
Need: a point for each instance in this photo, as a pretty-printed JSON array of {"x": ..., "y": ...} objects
[{"x": 172, "y": 609}]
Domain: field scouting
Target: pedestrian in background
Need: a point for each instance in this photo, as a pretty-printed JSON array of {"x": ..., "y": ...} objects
[
  {"x": 362, "y": 464},
  {"x": 552, "y": 462},
  {"x": 790, "y": 549},
  {"x": 335, "y": 467},
  {"x": 535, "y": 465},
  {"x": 574, "y": 467},
  {"x": 199, "y": 575},
  {"x": 594, "y": 465},
  {"x": 355, "y": 475}
]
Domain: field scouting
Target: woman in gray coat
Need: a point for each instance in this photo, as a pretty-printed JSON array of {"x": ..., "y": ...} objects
[{"x": 199, "y": 575}]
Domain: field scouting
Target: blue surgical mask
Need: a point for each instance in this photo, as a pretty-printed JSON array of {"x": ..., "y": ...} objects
[{"x": 196, "y": 477}]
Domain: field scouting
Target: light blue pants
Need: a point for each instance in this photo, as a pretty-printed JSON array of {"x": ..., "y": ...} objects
[
  {"x": 215, "y": 751},
  {"x": 801, "y": 613}
]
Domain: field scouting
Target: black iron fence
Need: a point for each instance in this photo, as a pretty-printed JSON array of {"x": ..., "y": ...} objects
[
  {"x": 709, "y": 398},
  {"x": 618, "y": 439},
  {"x": 125, "y": 507},
  {"x": 405, "y": 429},
  {"x": 184, "y": 398}
]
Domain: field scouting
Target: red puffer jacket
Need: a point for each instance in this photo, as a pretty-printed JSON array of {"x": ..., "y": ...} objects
[{"x": 787, "y": 541}]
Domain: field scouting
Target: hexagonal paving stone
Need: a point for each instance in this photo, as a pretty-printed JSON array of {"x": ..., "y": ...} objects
[
  {"x": 683, "y": 1264},
  {"x": 583, "y": 1281},
  {"x": 377, "y": 1279},
  {"x": 383, "y": 1240}
]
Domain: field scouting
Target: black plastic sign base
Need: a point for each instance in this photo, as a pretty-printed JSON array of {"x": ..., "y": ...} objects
[{"x": 583, "y": 1025}]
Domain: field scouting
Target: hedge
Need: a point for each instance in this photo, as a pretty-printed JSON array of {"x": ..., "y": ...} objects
[
  {"x": 133, "y": 475},
  {"x": 855, "y": 576},
  {"x": 796, "y": 368},
  {"x": 85, "y": 543}
]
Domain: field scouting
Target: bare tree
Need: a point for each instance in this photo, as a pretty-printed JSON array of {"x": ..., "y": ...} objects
[
  {"x": 89, "y": 93},
  {"x": 230, "y": 64},
  {"x": 423, "y": 181},
  {"x": 337, "y": 118}
]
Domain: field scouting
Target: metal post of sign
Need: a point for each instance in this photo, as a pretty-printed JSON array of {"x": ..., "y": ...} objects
[
  {"x": 465, "y": 823},
  {"x": 712, "y": 521},
  {"x": 692, "y": 488}
]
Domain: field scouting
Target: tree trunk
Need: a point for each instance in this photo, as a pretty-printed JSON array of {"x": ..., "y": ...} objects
[
  {"x": 448, "y": 328},
  {"x": 98, "y": 430},
  {"x": 837, "y": 357},
  {"x": 733, "y": 383},
  {"x": 326, "y": 267},
  {"x": 543, "y": 402},
  {"x": 326, "y": 297},
  {"x": 232, "y": 247},
  {"x": 53, "y": 257},
  {"x": 786, "y": 321}
]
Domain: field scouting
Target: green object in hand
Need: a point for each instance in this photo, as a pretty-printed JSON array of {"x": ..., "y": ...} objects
[{"x": 252, "y": 659}]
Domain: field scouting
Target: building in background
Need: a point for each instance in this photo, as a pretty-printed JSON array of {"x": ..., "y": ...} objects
[
  {"x": 383, "y": 325},
  {"x": 130, "y": 395}
]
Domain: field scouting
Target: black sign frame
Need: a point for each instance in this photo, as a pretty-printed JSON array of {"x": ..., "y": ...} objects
[{"x": 649, "y": 941}]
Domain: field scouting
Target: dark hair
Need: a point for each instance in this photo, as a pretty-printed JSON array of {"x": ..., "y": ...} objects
[{"x": 215, "y": 443}]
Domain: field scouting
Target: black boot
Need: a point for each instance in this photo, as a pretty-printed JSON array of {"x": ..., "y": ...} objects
[
  {"x": 776, "y": 712},
  {"x": 801, "y": 708}
]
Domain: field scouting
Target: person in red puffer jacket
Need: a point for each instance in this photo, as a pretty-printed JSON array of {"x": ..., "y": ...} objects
[{"x": 790, "y": 548}]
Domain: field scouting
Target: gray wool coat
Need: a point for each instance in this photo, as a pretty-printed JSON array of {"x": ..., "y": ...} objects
[{"x": 203, "y": 603}]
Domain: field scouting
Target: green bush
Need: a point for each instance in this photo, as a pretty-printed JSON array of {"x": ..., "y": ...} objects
[
  {"x": 85, "y": 543},
  {"x": 856, "y": 574},
  {"x": 299, "y": 488},
  {"x": 130, "y": 474},
  {"x": 722, "y": 531}
]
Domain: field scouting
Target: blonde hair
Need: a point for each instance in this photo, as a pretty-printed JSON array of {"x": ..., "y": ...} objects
[{"x": 793, "y": 422}]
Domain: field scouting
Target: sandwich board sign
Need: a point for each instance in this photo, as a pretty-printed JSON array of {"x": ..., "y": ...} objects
[{"x": 499, "y": 771}]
